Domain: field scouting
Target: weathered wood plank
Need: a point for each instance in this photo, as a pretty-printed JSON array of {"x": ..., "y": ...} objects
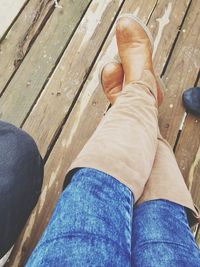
[
  {"x": 8, "y": 11},
  {"x": 29, "y": 79},
  {"x": 38, "y": 122},
  {"x": 198, "y": 236},
  {"x": 41, "y": 214},
  {"x": 181, "y": 73},
  {"x": 187, "y": 149},
  {"x": 70, "y": 73},
  {"x": 20, "y": 37},
  {"x": 188, "y": 157}
]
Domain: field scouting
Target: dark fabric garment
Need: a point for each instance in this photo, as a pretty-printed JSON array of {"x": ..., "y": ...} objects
[
  {"x": 191, "y": 100},
  {"x": 95, "y": 224},
  {"x": 21, "y": 175}
]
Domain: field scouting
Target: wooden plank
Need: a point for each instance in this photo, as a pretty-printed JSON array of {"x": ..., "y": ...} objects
[
  {"x": 70, "y": 73},
  {"x": 38, "y": 122},
  {"x": 8, "y": 11},
  {"x": 198, "y": 236},
  {"x": 181, "y": 74},
  {"x": 187, "y": 150},
  {"x": 188, "y": 157},
  {"x": 41, "y": 214},
  {"x": 20, "y": 37},
  {"x": 30, "y": 78}
]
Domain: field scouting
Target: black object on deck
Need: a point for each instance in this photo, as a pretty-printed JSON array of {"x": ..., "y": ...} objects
[{"x": 191, "y": 100}]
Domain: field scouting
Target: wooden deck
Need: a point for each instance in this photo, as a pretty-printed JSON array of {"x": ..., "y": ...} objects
[{"x": 50, "y": 58}]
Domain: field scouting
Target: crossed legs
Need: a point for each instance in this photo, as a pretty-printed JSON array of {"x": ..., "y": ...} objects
[{"x": 95, "y": 222}]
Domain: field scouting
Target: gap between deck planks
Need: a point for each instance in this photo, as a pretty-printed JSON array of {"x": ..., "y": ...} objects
[
  {"x": 31, "y": 76},
  {"x": 60, "y": 150},
  {"x": 17, "y": 42}
]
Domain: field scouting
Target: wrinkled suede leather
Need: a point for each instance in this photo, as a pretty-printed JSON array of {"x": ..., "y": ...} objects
[{"x": 127, "y": 144}]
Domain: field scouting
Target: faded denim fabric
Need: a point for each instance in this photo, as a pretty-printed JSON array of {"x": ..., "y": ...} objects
[
  {"x": 95, "y": 224},
  {"x": 161, "y": 236}
]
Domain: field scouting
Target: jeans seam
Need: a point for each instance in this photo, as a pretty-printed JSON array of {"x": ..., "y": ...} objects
[
  {"x": 131, "y": 223},
  {"x": 78, "y": 234},
  {"x": 164, "y": 242}
]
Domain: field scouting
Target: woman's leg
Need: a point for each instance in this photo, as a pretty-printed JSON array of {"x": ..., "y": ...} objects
[
  {"x": 91, "y": 224},
  {"x": 161, "y": 233},
  {"x": 160, "y": 226},
  {"x": 162, "y": 236},
  {"x": 21, "y": 174}
]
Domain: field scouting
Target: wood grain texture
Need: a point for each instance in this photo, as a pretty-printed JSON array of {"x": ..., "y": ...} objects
[
  {"x": 70, "y": 73},
  {"x": 9, "y": 9},
  {"x": 188, "y": 157},
  {"x": 32, "y": 74},
  {"x": 180, "y": 74},
  {"x": 198, "y": 236},
  {"x": 21, "y": 36},
  {"x": 187, "y": 150}
]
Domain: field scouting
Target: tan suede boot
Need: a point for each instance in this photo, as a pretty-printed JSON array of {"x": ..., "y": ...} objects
[
  {"x": 124, "y": 144},
  {"x": 165, "y": 172},
  {"x": 112, "y": 76}
]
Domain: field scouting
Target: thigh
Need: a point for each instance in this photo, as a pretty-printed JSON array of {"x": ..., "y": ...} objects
[
  {"x": 162, "y": 237},
  {"x": 91, "y": 224}
]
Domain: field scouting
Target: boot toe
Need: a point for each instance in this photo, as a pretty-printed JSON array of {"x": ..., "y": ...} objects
[{"x": 129, "y": 30}]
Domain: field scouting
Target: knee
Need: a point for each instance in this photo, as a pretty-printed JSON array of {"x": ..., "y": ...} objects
[
  {"x": 20, "y": 160},
  {"x": 21, "y": 176}
]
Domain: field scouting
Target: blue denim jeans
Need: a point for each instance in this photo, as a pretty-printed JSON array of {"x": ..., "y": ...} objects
[{"x": 95, "y": 223}]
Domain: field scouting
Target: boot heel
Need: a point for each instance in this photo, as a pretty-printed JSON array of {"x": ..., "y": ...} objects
[{"x": 103, "y": 66}]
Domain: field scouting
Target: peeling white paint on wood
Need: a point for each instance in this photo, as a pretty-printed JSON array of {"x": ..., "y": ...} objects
[
  {"x": 92, "y": 19},
  {"x": 136, "y": 12},
  {"x": 56, "y": 4},
  {"x": 163, "y": 21},
  {"x": 54, "y": 176},
  {"x": 91, "y": 86},
  {"x": 42, "y": 199},
  {"x": 182, "y": 122},
  {"x": 5, "y": 257}
]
